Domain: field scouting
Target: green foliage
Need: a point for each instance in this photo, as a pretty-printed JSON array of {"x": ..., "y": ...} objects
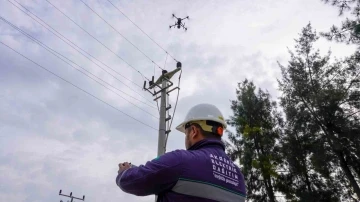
[
  {"x": 320, "y": 103},
  {"x": 314, "y": 155},
  {"x": 349, "y": 31},
  {"x": 254, "y": 144}
]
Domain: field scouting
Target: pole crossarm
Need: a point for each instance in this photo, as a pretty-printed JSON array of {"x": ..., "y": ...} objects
[{"x": 71, "y": 196}]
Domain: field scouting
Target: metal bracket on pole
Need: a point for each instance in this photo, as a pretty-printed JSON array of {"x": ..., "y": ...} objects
[
  {"x": 168, "y": 118},
  {"x": 172, "y": 90},
  {"x": 169, "y": 107},
  {"x": 71, "y": 196}
]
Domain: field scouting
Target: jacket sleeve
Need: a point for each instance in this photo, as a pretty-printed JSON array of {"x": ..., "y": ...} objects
[{"x": 154, "y": 177}]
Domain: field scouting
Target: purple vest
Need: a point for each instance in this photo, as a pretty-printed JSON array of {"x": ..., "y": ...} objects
[{"x": 202, "y": 173}]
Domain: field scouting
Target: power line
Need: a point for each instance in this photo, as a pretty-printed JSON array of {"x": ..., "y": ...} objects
[
  {"x": 68, "y": 40},
  {"x": 167, "y": 115},
  {"x": 142, "y": 31},
  {"x": 78, "y": 87},
  {"x": 120, "y": 34},
  {"x": 98, "y": 42},
  {"x": 165, "y": 60},
  {"x": 77, "y": 47},
  {"x": 177, "y": 99},
  {"x": 157, "y": 102},
  {"x": 47, "y": 48}
]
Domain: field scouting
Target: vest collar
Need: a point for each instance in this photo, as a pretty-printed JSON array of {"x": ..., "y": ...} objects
[{"x": 208, "y": 143}]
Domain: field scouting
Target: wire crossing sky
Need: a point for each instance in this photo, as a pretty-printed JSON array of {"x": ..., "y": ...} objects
[
  {"x": 67, "y": 42},
  {"x": 120, "y": 34},
  {"x": 77, "y": 86},
  {"x": 167, "y": 54},
  {"x": 98, "y": 42},
  {"x": 51, "y": 51}
]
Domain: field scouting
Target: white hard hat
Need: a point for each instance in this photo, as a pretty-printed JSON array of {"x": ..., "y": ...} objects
[{"x": 205, "y": 112}]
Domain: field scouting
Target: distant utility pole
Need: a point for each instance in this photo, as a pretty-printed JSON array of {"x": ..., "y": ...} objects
[
  {"x": 72, "y": 197},
  {"x": 165, "y": 81}
]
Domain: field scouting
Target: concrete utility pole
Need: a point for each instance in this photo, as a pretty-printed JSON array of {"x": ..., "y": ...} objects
[
  {"x": 165, "y": 82},
  {"x": 71, "y": 196},
  {"x": 162, "y": 122}
]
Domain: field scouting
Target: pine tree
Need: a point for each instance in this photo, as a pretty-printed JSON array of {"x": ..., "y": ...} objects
[
  {"x": 255, "y": 141},
  {"x": 328, "y": 96},
  {"x": 349, "y": 32},
  {"x": 307, "y": 165}
]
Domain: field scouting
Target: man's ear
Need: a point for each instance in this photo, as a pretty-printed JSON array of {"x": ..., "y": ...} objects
[{"x": 196, "y": 132}]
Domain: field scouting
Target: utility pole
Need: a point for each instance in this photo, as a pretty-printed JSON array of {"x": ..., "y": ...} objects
[
  {"x": 163, "y": 83},
  {"x": 162, "y": 122},
  {"x": 71, "y": 196}
]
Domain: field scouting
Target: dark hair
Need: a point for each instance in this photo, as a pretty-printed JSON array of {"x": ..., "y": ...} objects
[{"x": 207, "y": 134}]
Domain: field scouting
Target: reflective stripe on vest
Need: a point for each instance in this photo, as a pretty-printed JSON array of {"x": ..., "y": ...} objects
[{"x": 207, "y": 190}]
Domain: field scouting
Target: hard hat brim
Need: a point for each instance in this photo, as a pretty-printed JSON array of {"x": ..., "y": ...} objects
[{"x": 181, "y": 127}]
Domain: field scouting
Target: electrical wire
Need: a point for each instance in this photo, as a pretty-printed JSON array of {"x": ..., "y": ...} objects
[
  {"x": 157, "y": 102},
  {"x": 66, "y": 38},
  {"x": 52, "y": 50},
  {"x": 78, "y": 87},
  {"x": 167, "y": 115},
  {"x": 142, "y": 30},
  {"x": 167, "y": 97},
  {"x": 120, "y": 33},
  {"x": 99, "y": 42},
  {"x": 177, "y": 99},
  {"x": 77, "y": 47},
  {"x": 165, "y": 60}
]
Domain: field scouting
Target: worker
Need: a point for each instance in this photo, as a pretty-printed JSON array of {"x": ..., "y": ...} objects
[{"x": 202, "y": 172}]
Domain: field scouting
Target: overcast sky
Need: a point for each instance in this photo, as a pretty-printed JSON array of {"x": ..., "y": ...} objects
[{"x": 54, "y": 136}]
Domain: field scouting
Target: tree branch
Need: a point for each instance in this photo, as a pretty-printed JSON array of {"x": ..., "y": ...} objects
[{"x": 352, "y": 114}]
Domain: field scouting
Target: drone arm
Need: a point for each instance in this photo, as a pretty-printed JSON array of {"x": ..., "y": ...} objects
[{"x": 183, "y": 25}]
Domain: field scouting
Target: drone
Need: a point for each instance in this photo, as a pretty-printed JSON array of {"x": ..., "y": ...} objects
[{"x": 179, "y": 23}]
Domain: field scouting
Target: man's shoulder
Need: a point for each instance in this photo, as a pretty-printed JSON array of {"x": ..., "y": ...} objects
[{"x": 172, "y": 156}]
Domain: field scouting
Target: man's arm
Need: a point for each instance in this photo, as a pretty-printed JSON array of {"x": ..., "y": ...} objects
[{"x": 154, "y": 177}]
